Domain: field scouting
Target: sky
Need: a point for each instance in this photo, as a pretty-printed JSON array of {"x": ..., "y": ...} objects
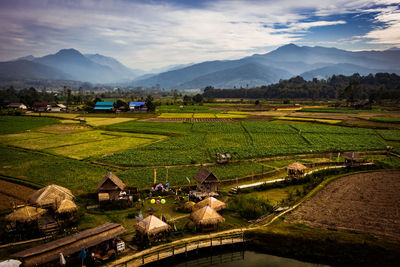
[{"x": 151, "y": 34}]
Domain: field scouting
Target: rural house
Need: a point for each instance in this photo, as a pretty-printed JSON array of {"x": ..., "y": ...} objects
[
  {"x": 104, "y": 106},
  {"x": 41, "y": 106},
  {"x": 17, "y": 106},
  {"x": 207, "y": 184},
  {"x": 112, "y": 188},
  {"x": 50, "y": 196},
  {"x": 137, "y": 106}
]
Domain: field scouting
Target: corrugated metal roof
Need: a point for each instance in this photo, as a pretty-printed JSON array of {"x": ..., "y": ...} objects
[
  {"x": 104, "y": 103},
  {"x": 103, "y": 108},
  {"x": 136, "y": 104}
]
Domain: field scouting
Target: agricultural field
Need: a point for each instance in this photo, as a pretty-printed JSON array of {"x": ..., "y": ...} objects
[
  {"x": 363, "y": 203},
  {"x": 390, "y": 135},
  {"x": 16, "y": 124}
]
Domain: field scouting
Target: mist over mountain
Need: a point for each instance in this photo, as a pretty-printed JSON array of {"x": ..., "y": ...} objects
[{"x": 259, "y": 69}]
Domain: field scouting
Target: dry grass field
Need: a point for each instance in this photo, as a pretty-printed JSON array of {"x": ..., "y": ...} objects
[
  {"x": 11, "y": 192},
  {"x": 364, "y": 203}
]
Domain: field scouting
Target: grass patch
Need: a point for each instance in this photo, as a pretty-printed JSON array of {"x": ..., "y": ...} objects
[{"x": 310, "y": 120}]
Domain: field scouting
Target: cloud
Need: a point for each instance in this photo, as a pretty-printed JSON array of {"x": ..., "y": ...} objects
[{"x": 149, "y": 34}]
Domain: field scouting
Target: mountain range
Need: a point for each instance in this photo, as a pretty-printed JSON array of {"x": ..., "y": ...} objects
[{"x": 259, "y": 69}]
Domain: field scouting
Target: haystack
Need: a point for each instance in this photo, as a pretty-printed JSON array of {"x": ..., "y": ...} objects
[
  {"x": 67, "y": 206},
  {"x": 188, "y": 206},
  {"x": 212, "y": 202},
  {"x": 50, "y": 195},
  {"x": 25, "y": 214},
  {"x": 151, "y": 225},
  {"x": 206, "y": 216}
]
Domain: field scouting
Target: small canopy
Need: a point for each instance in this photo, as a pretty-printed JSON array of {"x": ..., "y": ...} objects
[
  {"x": 188, "y": 206},
  {"x": 67, "y": 206},
  {"x": 206, "y": 216},
  {"x": 110, "y": 182},
  {"x": 212, "y": 202},
  {"x": 50, "y": 195},
  {"x": 151, "y": 225},
  {"x": 297, "y": 166},
  {"x": 352, "y": 156},
  {"x": 25, "y": 214}
]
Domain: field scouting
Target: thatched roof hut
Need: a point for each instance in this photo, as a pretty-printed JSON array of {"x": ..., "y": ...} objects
[
  {"x": 50, "y": 195},
  {"x": 151, "y": 225},
  {"x": 206, "y": 216},
  {"x": 296, "y": 166},
  {"x": 212, "y": 202},
  {"x": 67, "y": 206},
  {"x": 25, "y": 214},
  {"x": 110, "y": 182},
  {"x": 69, "y": 245},
  {"x": 204, "y": 175},
  {"x": 188, "y": 206}
]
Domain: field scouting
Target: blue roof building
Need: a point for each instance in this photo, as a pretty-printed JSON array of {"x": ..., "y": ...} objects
[
  {"x": 137, "y": 105},
  {"x": 104, "y": 106}
]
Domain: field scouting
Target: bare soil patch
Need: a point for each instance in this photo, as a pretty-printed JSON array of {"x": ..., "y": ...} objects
[
  {"x": 365, "y": 203},
  {"x": 11, "y": 192}
]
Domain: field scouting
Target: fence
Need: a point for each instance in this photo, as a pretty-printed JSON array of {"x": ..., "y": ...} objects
[{"x": 179, "y": 247}]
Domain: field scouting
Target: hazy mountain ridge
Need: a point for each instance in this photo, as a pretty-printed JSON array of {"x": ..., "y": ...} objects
[{"x": 258, "y": 69}]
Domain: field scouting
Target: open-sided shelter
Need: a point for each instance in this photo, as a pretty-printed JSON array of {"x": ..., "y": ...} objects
[
  {"x": 152, "y": 228},
  {"x": 206, "y": 219},
  {"x": 295, "y": 169},
  {"x": 50, "y": 196},
  {"x": 71, "y": 245},
  {"x": 352, "y": 158},
  {"x": 212, "y": 202}
]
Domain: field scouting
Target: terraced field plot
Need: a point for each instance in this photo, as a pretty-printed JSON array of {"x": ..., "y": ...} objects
[
  {"x": 12, "y": 193},
  {"x": 16, "y": 124}
]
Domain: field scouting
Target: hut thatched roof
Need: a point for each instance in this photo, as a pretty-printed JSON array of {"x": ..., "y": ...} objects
[
  {"x": 50, "y": 195},
  {"x": 68, "y": 245},
  {"x": 151, "y": 225},
  {"x": 212, "y": 202},
  {"x": 25, "y": 214},
  {"x": 67, "y": 206},
  {"x": 206, "y": 216},
  {"x": 113, "y": 179},
  {"x": 188, "y": 206},
  {"x": 296, "y": 166},
  {"x": 205, "y": 174}
]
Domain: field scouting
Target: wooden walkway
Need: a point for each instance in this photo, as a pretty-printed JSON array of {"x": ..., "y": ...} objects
[{"x": 186, "y": 245}]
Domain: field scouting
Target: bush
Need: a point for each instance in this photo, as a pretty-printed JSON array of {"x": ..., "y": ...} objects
[{"x": 250, "y": 208}]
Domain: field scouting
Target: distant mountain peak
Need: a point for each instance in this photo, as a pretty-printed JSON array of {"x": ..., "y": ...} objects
[{"x": 69, "y": 52}]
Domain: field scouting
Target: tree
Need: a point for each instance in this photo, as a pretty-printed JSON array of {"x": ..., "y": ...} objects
[
  {"x": 151, "y": 107},
  {"x": 198, "y": 98},
  {"x": 186, "y": 99}
]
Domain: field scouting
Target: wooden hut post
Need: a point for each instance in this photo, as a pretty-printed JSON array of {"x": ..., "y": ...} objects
[{"x": 166, "y": 178}]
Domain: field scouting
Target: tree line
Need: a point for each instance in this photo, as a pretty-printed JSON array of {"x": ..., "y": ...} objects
[{"x": 350, "y": 88}]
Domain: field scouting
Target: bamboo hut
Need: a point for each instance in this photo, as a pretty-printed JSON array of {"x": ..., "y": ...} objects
[
  {"x": 25, "y": 214},
  {"x": 206, "y": 219},
  {"x": 50, "y": 196},
  {"x": 152, "y": 228},
  {"x": 103, "y": 237},
  {"x": 188, "y": 206},
  {"x": 295, "y": 169},
  {"x": 212, "y": 202},
  {"x": 207, "y": 184}
]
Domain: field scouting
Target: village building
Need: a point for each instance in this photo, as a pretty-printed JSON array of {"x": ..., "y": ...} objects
[
  {"x": 104, "y": 106},
  {"x": 112, "y": 188},
  {"x": 66, "y": 211},
  {"x": 135, "y": 106},
  {"x": 151, "y": 229},
  {"x": 26, "y": 214},
  {"x": 50, "y": 196},
  {"x": 207, "y": 184},
  {"x": 100, "y": 243},
  {"x": 295, "y": 169},
  {"x": 58, "y": 108},
  {"x": 17, "y": 106},
  {"x": 352, "y": 158},
  {"x": 211, "y": 202},
  {"x": 206, "y": 219},
  {"x": 41, "y": 106}
]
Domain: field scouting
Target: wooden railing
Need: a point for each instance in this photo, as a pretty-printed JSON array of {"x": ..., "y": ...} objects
[{"x": 177, "y": 247}]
